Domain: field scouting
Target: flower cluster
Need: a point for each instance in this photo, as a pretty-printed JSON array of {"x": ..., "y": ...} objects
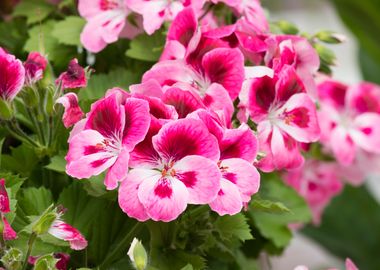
[{"x": 107, "y": 20}]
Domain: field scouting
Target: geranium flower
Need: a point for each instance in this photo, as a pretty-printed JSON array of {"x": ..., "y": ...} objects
[
  {"x": 174, "y": 166},
  {"x": 12, "y": 76},
  {"x": 35, "y": 66},
  {"x": 105, "y": 138},
  {"x": 285, "y": 115},
  {"x": 8, "y": 232},
  {"x": 74, "y": 77},
  {"x": 66, "y": 232},
  {"x": 240, "y": 179},
  {"x": 73, "y": 113},
  {"x": 156, "y": 12},
  {"x": 350, "y": 119},
  {"x": 106, "y": 21},
  {"x": 317, "y": 182}
]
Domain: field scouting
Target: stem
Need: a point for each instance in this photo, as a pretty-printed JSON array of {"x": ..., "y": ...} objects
[
  {"x": 121, "y": 246},
  {"x": 17, "y": 132},
  {"x": 37, "y": 125},
  {"x": 31, "y": 240}
]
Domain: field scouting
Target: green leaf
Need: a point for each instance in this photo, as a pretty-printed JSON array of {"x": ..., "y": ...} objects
[
  {"x": 33, "y": 10},
  {"x": 34, "y": 201},
  {"x": 57, "y": 163},
  {"x": 22, "y": 160},
  {"x": 350, "y": 227},
  {"x": 268, "y": 206},
  {"x": 233, "y": 226},
  {"x": 147, "y": 48},
  {"x": 369, "y": 67},
  {"x": 13, "y": 34},
  {"x": 274, "y": 226},
  {"x": 100, "y": 83},
  {"x": 187, "y": 267},
  {"x": 68, "y": 31}
]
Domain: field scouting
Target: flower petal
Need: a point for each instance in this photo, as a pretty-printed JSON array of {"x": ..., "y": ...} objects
[
  {"x": 128, "y": 192},
  {"x": 12, "y": 76},
  {"x": 163, "y": 198},
  {"x": 66, "y": 232},
  {"x": 201, "y": 177},
  {"x": 367, "y": 132},
  {"x": 8, "y": 232},
  {"x": 118, "y": 171},
  {"x": 4, "y": 198},
  {"x": 228, "y": 201},
  {"x": 343, "y": 146},
  {"x": 73, "y": 113},
  {"x": 185, "y": 137}
]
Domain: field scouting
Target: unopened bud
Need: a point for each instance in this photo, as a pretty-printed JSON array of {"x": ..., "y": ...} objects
[
  {"x": 326, "y": 55},
  {"x": 138, "y": 255},
  {"x": 44, "y": 222},
  {"x": 287, "y": 27},
  {"x": 12, "y": 259},
  {"x": 330, "y": 37}
]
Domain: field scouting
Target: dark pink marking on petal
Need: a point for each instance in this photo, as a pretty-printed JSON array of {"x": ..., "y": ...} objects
[
  {"x": 298, "y": 116},
  {"x": 230, "y": 176},
  {"x": 163, "y": 188},
  {"x": 100, "y": 162},
  {"x": 188, "y": 178}
]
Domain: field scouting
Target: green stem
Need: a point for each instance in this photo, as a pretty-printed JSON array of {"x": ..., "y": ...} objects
[
  {"x": 36, "y": 124},
  {"x": 31, "y": 240},
  {"x": 121, "y": 246},
  {"x": 16, "y": 132}
]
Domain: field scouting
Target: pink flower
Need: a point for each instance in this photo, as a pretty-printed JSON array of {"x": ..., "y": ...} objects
[
  {"x": 317, "y": 182},
  {"x": 174, "y": 166},
  {"x": 106, "y": 21},
  {"x": 73, "y": 112},
  {"x": 12, "y": 76},
  {"x": 34, "y": 66},
  {"x": 8, "y": 232},
  {"x": 349, "y": 266},
  {"x": 66, "y": 232},
  {"x": 349, "y": 119},
  {"x": 286, "y": 116},
  {"x": 156, "y": 12},
  {"x": 104, "y": 139},
  {"x": 74, "y": 77},
  {"x": 297, "y": 52},
  {"x": 240, "y": 179}
]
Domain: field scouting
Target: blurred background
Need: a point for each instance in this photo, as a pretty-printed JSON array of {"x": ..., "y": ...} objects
[{"x": 348, "y": 233}]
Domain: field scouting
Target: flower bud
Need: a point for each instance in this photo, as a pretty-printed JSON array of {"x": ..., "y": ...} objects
[
  {"x": 30, "y": 97},
  {"x": 287, "y": 27},
  {"x": 138, "y": 255},
  {"x": 330, "y": 37},
  {"x": 12, "y": 259},
  {"x": 6, "y": 112},
  {"x": 44, "y": 222},
  {"x": 327, "y": 56}
]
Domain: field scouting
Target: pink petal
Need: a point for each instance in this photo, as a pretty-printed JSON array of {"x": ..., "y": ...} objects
[
  {"x": 243, "y": 174},
  {"x": 66, "y": 232},
  {"x": 342, "y": 146},
  {"x": 144, "y": 154},
  {"x": 364, "y": 97},
  {"x": 201, "y": 177},
  {"x": 107, "y": 116},
  {"x": 183, "y": 101},
  {"x": 211, "y": 120},
  {"x": 118, "y": 171},
  {"x": 285, "y": 151},
  {"x": 137, "y": 120},
  {"x": 150, "y": 88},
  {"x": 128, "y": 192},
  {"x": 185, "y": 137},
  {"x": 261, "y": 95},
  {"x": 173, "y": 50},
  {"x": 239, "y": 143},
  {"x": 88, "y": 155},
  {"x": 73, "y": 112},
  {"x": 4, "y": 199},
  {"x": 8, "y": 232},
  {"x": 216, "y": 98},
  {"x": 226, "y": 67},
  {"x": 333, "y": 93},
  {"x": 183, "y": 27},
  {"x": 367, "y": 132},
  {"x": 34, "y": 66},
  {"x": 300, "y": 118},
  {"x": 158, "y": 108},
  {"x": 350, "y": 265},
  {"x": 288, "y": 84},
  {"x": 12, "y": 76},
  {"x": 164, "y": 199},
  {"x": 228, "y": 201}
]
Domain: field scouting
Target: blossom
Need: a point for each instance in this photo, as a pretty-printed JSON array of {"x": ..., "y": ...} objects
[
  {"x": 66, "y": 232},
  {"x": 73, "y": 112},
  {"x": 35, "y": 66},
  {"x": 107, "y": 135},
  {"x": 74, "y": 77},
  {"x": 174, "y": 166},
  {"x": 317, "y": 182},
  {"x": 285, "y": 114},
  {"x": 155, "y": 13},
  {"x": 350, "y": 119},
  {"x": 106, "y": 21},
  {"x": 12, "y": 76},
  {"x": 8, "y": 232}
]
